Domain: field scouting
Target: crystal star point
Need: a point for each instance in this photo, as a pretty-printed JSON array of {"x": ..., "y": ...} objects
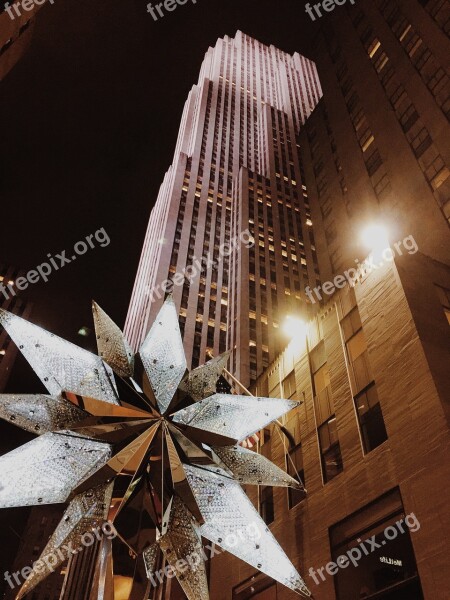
[{"x": 146, "y": 444}]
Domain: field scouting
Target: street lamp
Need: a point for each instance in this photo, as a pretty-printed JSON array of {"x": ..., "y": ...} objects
[
  {"x": 375, "y": 238},
  {"x": 295, "y": 328}
]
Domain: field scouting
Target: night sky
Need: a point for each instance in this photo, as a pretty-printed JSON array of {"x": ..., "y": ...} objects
[{"x": 88, "y": 124}]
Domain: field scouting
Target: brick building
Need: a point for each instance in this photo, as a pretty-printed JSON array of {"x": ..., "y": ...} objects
[
  {"x": 370, "y": 441},
  {"x": 371, "y": 437}
]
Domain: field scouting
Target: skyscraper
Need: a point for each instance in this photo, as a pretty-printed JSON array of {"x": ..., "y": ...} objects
[
  {"x": 376, "y": 147},
  {"x": 371, "y": 367},
  {"x": 236, "y": 176}
]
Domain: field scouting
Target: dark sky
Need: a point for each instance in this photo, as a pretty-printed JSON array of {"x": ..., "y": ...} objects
[{"x": 88, "y": 124}]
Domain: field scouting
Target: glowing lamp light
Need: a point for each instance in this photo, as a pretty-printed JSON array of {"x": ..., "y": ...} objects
[
  {"x": 295, "y": 328},
  {"x": 375, "y": 238}
]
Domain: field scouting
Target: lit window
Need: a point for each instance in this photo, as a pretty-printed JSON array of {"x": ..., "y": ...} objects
[
  {"x": 373, "y": 47},
  {"x": 405, "y": 32},
  {"x": 367, "y": 143}
]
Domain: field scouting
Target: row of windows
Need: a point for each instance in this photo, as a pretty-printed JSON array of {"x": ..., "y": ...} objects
[
  {"x": 433, "y": 75},
  {"x": 426, "y": 153},
  {"x": 371, "y": 155},
  {"x": 367, "y": 405},
  {"x": 439, "y": 11},
  {"x": 374, "y": 575}
]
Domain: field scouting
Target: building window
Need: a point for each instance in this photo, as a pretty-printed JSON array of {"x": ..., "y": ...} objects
[
  {"x": 321, "y": 378},
  {"x": 356, "y": 345},
  {"x": 289, "y": 387},
  {"x": 373, "y": 162},
  {"x": 266, "y": 508},
  {"x": 370, "y": 417},
  {"x": 421, "y": 142},
  {"x": 294, "y": 462},
  {"x": 387, "y": 571},
  {"x": 444, "y": 297},
  {"x": 355, "y": 339},
  {"x": 323, "y": 400},
  {"x": 408, "y": 118},
  {"x": 330, "y": 450}
]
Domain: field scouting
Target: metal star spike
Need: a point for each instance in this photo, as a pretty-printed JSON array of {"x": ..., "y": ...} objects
[{"x": 147, "y": 445}]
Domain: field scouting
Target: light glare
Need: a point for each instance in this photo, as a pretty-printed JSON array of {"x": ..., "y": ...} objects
[
  {"x": 295, "y": 328},
  {"x": 375, "y": 238}
]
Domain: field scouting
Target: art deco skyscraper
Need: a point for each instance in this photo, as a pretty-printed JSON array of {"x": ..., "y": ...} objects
[{"x": 236, "y": 168}]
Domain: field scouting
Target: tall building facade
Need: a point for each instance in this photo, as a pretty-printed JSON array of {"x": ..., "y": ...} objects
[
  {"x": 236, "y": 176},
  {"x": 376, "y": 147},
  {"x": 370, "y": 439}
]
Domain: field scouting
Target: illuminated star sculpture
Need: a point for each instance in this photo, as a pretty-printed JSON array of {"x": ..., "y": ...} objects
[{"x": 146, "y": 444}]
